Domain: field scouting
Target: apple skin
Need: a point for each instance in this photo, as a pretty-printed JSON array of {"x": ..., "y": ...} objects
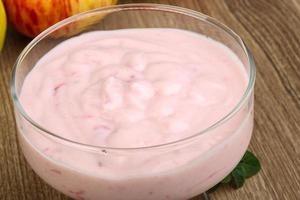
[
  {"x": 30, "y": 17},
  {"x": 2, "y": 25}
]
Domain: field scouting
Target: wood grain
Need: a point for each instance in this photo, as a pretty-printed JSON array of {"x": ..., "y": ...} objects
[{"x": 271, "y": 30}]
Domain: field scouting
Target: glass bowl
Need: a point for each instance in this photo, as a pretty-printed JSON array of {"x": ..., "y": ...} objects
[{"x": 205, "y": 164}]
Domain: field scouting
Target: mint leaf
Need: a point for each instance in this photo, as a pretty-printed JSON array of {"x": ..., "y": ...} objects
[
  {"x": 250, "y": 164},
  {"x": 247, "y": 167},
  {"x": 238, "y": 177},
  {"x": 227, "y": 179},
  {"x": 214, "y": 188}
]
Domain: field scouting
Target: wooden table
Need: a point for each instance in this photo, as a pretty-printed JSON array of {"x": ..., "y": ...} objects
[{"x": 272, "y": 31}]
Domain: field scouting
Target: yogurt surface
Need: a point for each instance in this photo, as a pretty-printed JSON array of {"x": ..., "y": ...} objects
[{"x": 133, "y": 87}]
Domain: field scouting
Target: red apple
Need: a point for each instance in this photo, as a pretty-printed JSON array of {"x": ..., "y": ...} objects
[{"x": 30, "y": 17}]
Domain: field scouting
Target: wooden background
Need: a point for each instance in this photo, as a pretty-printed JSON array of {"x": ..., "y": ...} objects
[{"x": 272, "y": 31}]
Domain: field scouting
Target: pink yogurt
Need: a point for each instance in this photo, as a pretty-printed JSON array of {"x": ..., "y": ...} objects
[{"x": 135, "y": 88}]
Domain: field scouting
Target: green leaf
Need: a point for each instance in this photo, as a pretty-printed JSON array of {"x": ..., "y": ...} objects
[
  {"x": 227, "y": 179},
  {"x": 214, "y": 188},
  {"x": 247, "y": 167},
  {"x": 238, "y": 177},
  {"x": 251, "y": 165}
]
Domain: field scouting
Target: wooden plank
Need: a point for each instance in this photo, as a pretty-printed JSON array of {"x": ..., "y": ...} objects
[{"x": 271, "y": 30}]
